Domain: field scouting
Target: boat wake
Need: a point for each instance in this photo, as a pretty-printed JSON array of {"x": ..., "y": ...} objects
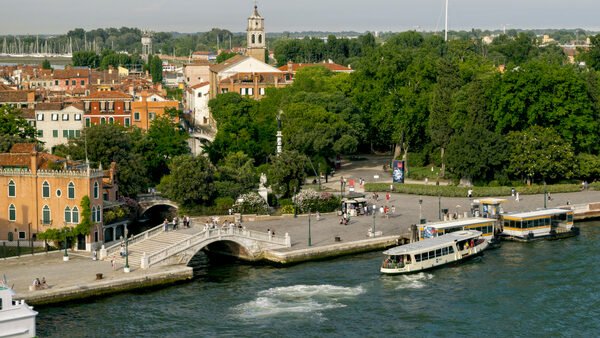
[
  {"x": 416, "y": 281},
  {"x": 297, "y": 299}
]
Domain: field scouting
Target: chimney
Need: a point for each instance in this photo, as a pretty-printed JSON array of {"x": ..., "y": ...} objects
[{"x": 33, "y": 161}]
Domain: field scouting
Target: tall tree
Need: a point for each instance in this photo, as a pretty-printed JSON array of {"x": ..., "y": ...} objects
[
  {"x": 191, "y": 181},
  {"x": 287, "y": 172}
]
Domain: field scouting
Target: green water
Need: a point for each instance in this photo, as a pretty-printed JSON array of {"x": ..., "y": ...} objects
[{"x": 548, "y": 288}]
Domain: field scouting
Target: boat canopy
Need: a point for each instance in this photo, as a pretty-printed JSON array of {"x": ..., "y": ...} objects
[
  {"x": 536, "y": 214},
  {"x": 432, "y": 243},
  {"x": 460, "y": 223}
]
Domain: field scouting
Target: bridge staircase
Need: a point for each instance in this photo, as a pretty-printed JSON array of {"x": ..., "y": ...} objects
[{"x": 157, "y": 247}]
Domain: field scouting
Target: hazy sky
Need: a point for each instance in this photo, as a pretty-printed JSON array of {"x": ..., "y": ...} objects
[{"x": 59, "y": 16}]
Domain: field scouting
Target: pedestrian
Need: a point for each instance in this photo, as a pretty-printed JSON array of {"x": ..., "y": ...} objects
[
  {"x": 187, "y": 221},
  {"x": 392, "y": 187},
  {"x": 470, "y": 193},
  {"x": 165, "y": 225},
  {"x": 318, "y": 216},
  {"x": 112, "y": 262},
  {"x": 175, "y": 222},
  {"x": 43, "y": 284},
  {"x": 512, "y": 192},
  {"x": 393, "y": 210},
  {"x": 387, "y": 197},
  {"x": 122, "y": 250},
  {"x": 549, "y": 197},
  {"x": 517, "y": 196}
]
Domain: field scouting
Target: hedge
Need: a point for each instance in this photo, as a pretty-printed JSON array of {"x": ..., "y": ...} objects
[{"x": 455, "y": 191}]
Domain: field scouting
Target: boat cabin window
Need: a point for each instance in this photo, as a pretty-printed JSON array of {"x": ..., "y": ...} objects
[
  {"x": 438, "y": 252},
  {"x": 417, "y": 257},
  {"x": 450, "y": 250},
  {"x": 444, "y": 251}
]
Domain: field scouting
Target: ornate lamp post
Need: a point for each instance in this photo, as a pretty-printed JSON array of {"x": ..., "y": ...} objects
[
  {"x": 545, "y": 195},
  {"x": 126, "y": 267},
  {"x": 66, "y": 255},
  {"x": 309, "y": 237}
]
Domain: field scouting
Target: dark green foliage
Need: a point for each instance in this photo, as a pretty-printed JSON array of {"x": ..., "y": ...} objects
[
  {"x": 190, "y": 182},
  {"x": 86, "y": 59},
  {"x": 225, "y": 55},
  {"x": 14, "y": 128},
  {"x": 46, "y": 64},
  {"x": 155, "y": 68}
]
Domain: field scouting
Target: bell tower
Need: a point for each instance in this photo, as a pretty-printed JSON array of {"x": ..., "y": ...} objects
[{"x": 256, "y": 40}]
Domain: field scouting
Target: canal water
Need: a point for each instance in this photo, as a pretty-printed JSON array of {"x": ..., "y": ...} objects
[{"x": 547, "y": 288}]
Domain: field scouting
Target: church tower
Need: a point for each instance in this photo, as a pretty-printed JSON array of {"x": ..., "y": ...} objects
[{"x": 256, "y": 39}]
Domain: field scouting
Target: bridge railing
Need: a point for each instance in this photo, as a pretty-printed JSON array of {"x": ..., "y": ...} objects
[
  {"x": 157, "y": 257},
  {"x": 113, "y": 249}
]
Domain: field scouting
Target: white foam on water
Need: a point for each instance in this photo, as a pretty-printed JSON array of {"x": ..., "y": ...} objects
[
  {"x": 297, "y": 299},
  {"x": 416, "y": 281}
]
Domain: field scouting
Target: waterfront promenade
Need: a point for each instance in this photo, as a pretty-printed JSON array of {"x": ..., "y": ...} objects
[{"x": 78, "y": 275}]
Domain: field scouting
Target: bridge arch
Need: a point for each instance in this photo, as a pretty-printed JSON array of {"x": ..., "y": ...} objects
[{"x": 227, "y": 247}]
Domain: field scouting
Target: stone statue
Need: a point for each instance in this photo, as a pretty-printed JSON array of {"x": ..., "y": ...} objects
[{"x": 263, "y": 180}]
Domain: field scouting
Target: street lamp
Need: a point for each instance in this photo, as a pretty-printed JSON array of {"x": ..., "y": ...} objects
[
  {"x": 420, "y": 209},
  {"x": 309, "y": 237},
  {"x": 440, "y": 205},
  {"x": 374, "y": 212},
  {"x": 294, "y": 202},
  {"x": 241, "y": 203},
  {"x": 341, "y": 187},
  {"x": 126, "y": 268}
]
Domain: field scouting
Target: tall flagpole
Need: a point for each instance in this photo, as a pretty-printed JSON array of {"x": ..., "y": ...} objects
[{"x": 446, "y": 32}]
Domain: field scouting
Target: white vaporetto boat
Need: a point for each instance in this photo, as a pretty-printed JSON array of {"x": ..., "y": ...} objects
[
  {"x": 434, "y": 252},
  {"x": 17, "y": 319}
]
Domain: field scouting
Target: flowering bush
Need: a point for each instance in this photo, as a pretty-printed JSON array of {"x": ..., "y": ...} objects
[
  {"x": 312, "y": 200},
  {"x": 251, "y": 203}
]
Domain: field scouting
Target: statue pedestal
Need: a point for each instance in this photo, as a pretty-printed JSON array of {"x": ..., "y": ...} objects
[{"x": 263, "y": 192}]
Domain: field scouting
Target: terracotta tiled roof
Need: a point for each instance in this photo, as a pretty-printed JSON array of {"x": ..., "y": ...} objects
[
  {"x": 108, "y": 95},
  {"x": 48, "y": 106},
  {"x": 27, "y": 113},
  {"x": 69, "y": 73},
  {"x": 20, "y": 156},
  {"x": 201, "y": 53},
  {"x": 13, "y": 96},
  {"x": 4, "y": 87},
  {"x": 23, "y": 148},
  {"x": 199, "y": 85},
  {"x": 228, "y": 63}
]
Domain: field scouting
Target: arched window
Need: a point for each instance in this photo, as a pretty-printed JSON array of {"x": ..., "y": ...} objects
[
  {"x": 111, "y": 120},
  {"x": 253, "y": 38},
  {"x": 103, "y": 120},
  {"x": 96, "y": 190},
  {"x": 46, "y": 189},
  {"x": 12, "y": 189},
  {"x": 259, "y": 38},
  {"x": 98, "y": 214},
  {"x": 67, "y": 215},
  {"x": 71, "y": 190},
  {"x": 75, "y": 215},
  {"x": 94, "y": 214},
  {"x": 12, "y": 213},
  {"x": 46, "y": 215}
]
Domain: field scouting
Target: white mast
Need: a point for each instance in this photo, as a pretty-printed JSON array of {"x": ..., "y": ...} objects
[{"x": 446, "y": 31}]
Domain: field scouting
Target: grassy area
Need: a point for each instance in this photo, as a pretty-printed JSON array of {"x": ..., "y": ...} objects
[
  {"x": 454, "y": 191},
  {"x": 420, "y": 173}
]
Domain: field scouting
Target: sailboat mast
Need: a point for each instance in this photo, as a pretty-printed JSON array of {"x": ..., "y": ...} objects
[{"x": 446, "y": 31}]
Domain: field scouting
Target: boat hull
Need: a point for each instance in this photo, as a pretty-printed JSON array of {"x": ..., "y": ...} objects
[{"x": 551, "y": 236}]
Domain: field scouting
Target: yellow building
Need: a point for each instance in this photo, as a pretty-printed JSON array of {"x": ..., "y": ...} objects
[
  {"x": 149, "y": 108},
  {"x": 41, "y": 191}
]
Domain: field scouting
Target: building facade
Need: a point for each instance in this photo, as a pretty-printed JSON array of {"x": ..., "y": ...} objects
[
  {"x": 256, "y": 40},
  {"x": 107, "y": 107},
  {"x": 57, "y": 123},
  {"x": 41, "y": 191},
  {"x": 149, "y": 107}
]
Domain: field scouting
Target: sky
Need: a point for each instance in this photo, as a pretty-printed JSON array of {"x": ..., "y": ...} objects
[{"x": 60, "y": 16}]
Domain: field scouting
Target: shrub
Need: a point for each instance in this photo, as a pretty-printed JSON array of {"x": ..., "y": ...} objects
[
  {"x": 455, "y": 191},
  {"x": 223, "y": 204},
  {"x": 287, "y": 209},
  {"x": 309, "y": 199},
  {"x": 252, "y": 203}
]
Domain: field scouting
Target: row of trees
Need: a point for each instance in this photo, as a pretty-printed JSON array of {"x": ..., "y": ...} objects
[{"x": 534, "y": 118}]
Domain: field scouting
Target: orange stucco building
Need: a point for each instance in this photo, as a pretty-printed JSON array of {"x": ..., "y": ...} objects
[
  {"x": 149, "y": 108},
  {"x": 41, "y": 191}
]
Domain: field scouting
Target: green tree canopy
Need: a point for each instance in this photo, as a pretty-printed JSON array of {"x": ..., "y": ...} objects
[
  {"x": 190, "y": 182},
  {"x": 14, "y": 128}
]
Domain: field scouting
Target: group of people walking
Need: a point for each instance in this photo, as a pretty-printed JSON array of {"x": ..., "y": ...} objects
[{"x": 175, "y": 223}]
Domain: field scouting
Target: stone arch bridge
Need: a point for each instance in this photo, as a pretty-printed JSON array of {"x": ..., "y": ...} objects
[
  {"x": 156, "y": 247},
  {"x": 148, "y": 201}
]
